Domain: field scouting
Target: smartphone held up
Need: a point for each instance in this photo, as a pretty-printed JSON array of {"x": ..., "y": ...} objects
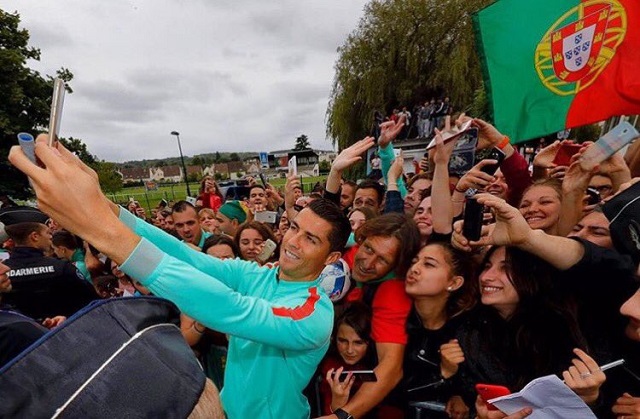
[{"x": 55, "y": 117}]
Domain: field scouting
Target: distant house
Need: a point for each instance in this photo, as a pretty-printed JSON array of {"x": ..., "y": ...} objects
[
  {"x": 167, "y": 173},
  {"x": 134, "y": 174},
  {"x": 252, "y": 168},
  {"x": 329, "y": 156},
  {"x": 230, "y": 169},
  {"x": 197, "y": 170}
]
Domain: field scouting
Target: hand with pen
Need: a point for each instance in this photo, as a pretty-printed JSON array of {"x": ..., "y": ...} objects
[{"x": 584, "y": 377}]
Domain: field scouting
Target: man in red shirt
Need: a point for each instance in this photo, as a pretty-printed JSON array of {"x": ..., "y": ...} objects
[{"x": 385, "y": 249}]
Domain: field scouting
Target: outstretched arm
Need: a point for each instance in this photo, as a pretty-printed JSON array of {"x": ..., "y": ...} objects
[
  {"x": 72, "y": 196},
  {"x": 511, "y": 229}
]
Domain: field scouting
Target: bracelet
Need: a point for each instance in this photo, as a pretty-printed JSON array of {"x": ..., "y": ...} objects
[
  {"x": 458, "y": 201},
  {"x": 196, "y": 328},
  {"x": 459, "y": 191},
  {"x": 505, "y": 142}
]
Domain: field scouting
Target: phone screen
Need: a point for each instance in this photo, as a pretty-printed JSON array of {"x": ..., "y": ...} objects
[{"x": 364, "y": 375}]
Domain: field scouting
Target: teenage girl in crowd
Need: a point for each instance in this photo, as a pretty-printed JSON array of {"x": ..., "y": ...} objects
[
  {"x": 351, "y": 350},
  {"x": 250, "y": 240}
]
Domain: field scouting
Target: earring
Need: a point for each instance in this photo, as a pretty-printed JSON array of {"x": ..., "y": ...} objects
[{"x": 449, "y": 288}]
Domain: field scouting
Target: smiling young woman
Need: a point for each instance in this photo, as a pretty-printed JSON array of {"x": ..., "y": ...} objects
[{"x": 521, "y": 330}]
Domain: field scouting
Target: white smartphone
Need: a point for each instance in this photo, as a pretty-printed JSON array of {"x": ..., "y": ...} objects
[
  {"x": 57, "y": 100},
  {"x": 623, "y": 134},
  {"x": 267, "y": 251},
  {"x": 293, "y": 166},
  {"x": 266, "y": 217},
  {"x": 454, "y": 132}
]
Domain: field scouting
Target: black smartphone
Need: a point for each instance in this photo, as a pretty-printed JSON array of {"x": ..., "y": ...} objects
[
  {"x": 263, "y": 179},
  {"x": 594, "y": 196},
  {"x": 473, "y": 217},
  {"x": 364, "y": 375},
  {"x": 494, "y": 154}
]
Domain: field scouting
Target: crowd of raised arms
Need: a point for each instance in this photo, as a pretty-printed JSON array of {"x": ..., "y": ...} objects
[{"x": 369, "y": 275}]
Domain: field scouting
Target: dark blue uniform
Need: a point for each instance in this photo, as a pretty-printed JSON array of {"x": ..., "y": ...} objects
[{"x": 45, "y": 287}]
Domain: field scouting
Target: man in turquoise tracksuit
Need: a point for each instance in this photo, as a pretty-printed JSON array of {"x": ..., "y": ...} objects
[
  {"x": 279, "y": 329},
  {"x": 280, "y": 321}
]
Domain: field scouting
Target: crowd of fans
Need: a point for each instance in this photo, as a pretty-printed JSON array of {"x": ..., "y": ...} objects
[
  {"x": 421, "y": 122},
  {"x": 546, "y": 289}
]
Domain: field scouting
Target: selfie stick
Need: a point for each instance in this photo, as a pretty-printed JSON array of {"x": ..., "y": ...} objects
[{"x": 28, "y": 145}]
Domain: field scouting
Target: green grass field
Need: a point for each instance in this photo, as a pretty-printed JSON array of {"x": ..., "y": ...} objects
[{"x": 178, "y": 191}]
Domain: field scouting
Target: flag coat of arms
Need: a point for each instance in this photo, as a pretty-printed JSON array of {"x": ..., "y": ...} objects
[{"x": 555, "y": 64}]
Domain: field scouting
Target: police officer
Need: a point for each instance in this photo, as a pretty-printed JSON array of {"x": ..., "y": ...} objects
[{"x": 41, "y": 286}]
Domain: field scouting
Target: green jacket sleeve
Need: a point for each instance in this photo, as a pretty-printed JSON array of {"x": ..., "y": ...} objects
[
  {"x": 386, "y": 159},
  {"x": 174, "y": 247}
]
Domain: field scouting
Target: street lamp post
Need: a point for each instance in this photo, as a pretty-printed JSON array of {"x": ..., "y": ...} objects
[{"x": 184, "y": 168}]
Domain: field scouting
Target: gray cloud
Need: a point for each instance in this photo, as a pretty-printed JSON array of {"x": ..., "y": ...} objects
[
  {"x": 229, "y": 76},
  {"x": 47, "y": 37}
]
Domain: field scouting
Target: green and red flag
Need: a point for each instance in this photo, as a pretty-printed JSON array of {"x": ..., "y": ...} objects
[{"x": 555, "y": 64}]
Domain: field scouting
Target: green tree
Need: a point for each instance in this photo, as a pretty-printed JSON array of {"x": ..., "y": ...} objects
[
  {"x": 76, "y": 146},
  {"x": 25, "y": 97},
  {"x": 217, "y": 158},
  {"x": 110, "y": 180},
  {"x": 324, "y": 166},
  {"x": 234, "y": 157},
  {"x": 302, "y": 143},
  {"x": 403, "y": 52}
]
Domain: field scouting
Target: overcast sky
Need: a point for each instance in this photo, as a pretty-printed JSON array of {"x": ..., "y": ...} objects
[{"x": 240, "y": 75}]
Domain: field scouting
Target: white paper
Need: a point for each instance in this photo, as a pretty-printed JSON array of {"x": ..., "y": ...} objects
[{"x": 549, "y": 397}]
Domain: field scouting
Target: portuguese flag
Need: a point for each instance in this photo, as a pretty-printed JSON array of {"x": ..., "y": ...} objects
[{"x": 555, "y": 64}]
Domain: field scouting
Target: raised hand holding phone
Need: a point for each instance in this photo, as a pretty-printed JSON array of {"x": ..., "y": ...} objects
[
  {"x": 623, "y": 134},
  {"x": 69, "y": 192}
]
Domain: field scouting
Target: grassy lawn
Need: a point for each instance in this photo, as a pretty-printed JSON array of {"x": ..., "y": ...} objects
[{"x": 178, "y": 191}]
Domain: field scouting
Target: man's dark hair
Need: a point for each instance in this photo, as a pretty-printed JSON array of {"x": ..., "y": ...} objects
[
  {"x": 256, "y": 185},
  {"x": 217, "y": 239},
  {"x": 413, "y": 179},
  {"x": 66, "y": 239},
  {"x": 372, "y": 184},
  {"x": 340, "y": 227},
  {"x": 20, "y": 232},
  {"x": 350, "y": 183},
  {"x": 425, "y": 194},
  {"x": 182, "y": 206},
  {"x": 395, "y": 225}
]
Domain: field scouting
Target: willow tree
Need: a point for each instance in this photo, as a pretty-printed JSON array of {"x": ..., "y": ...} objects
[{"x": 401, "y": 53}]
